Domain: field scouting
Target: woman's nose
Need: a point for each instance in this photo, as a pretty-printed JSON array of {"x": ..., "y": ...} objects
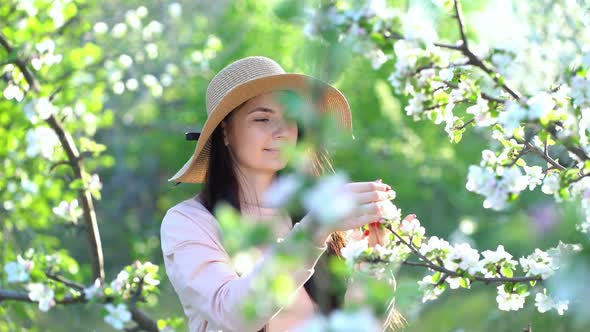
[{"x": 282, "y": 126}]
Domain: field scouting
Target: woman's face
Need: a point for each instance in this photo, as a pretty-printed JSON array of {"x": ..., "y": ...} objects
[{"x": 257, "y": 131}]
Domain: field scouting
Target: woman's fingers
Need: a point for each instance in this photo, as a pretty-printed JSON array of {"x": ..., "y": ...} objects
[
  {"x": 377, "y": 208},
  {"x": 361, "y": 187},
  {"x": 371, "y": 196},
  {"x": 361, "y": 220}
]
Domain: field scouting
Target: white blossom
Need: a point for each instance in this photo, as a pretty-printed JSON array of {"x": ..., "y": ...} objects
[
  {"x": 175, "y": 9},
  {"x": 93, "y": 290},
  {"x": 131, "y": 84},
  {"x": 328, "y": 200},
  {"x": 44, "y": 108},
  {"x": 417, "y": 26},
  {"x": 153, "y": 29},
  {"x": 389, "y": 211},
  {"x": 446, "y": 74},
  {"x": 100, "y": 28},
  {"x": 281, "y": 190},
  {"x": 498, "y": 256},
  {"x": 545, "y": 303},
  {"x": 141, "y": 11},
  {"x": 513, "y": 180},
  {"x": 535, "y": 176},
  {"x": 434, "y": 243},
  {"x": 454, "y": 282},
  {"x": 467, "y": 258},
  {"x": 119, "y": 30},
  {"x": 117, "y": 315},
  {"x": 354, "y": 249},
  {"x": 482, "y": 117},
  {"x": 461, "y": 91},
  {"x": 118, "y": 284},
  {"x": 132, "y": 19},
  {"x": 377, "y": 57},
  {"x": 512, "y": 115},
  {"x": 492, "y": 260},
  {"x": 412, "y": 228},
  {"x": 13, "y": 91},
  {"x": 427, "y": 287},
  {"x": 416, "y": 105},
  {"x": 539, "y": 263},
  {"x": 41, "y": 293},
  {"x": 540, "y": 105},
  {"x": 510, "y": 301},
  {"x": 41, "y": 140},
  {"x": 243, "y": 261},
  {"x": 68, "y": 210},
  {"x": 18, "y": 271},
  {"x": 482, "y": 180},
  {"x": 551, "y": 183},
  {"x": 94, "y": 183},
  {"x": 580, "y": 92},
  {"x": 501, "y": 61}
]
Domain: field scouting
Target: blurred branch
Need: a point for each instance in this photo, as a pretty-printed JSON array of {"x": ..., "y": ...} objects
[
  {"x": 143, "y": 321},
  {"x": 20, "y": 64}
]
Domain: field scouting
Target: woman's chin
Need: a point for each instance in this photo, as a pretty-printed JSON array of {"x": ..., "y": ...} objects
[{"x": 274, "y": 165}]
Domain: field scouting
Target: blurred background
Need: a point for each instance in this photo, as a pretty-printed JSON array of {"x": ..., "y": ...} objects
[{"x": 134, "y": 76}]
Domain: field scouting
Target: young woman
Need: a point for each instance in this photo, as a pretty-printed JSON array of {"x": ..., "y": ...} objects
[{"x": 237, "y": 158}]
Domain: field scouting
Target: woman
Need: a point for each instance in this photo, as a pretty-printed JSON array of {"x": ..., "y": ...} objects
[{"x": 237, "y": 158}]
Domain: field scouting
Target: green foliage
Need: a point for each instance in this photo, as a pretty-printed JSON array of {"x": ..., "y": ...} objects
[{"x": 128, "y": 121}]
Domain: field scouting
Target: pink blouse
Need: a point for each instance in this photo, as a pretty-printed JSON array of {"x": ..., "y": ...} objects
[{"x": 205, "y": 279}]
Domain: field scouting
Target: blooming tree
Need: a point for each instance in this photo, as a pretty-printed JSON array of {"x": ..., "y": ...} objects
[
  {"x": 464, "y": 85},
  {"x": 54, "y": 96},
  {"x": 461, "y": 85}
]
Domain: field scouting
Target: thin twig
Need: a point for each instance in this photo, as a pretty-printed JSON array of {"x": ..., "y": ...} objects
[{"x": 440, "y": 267}]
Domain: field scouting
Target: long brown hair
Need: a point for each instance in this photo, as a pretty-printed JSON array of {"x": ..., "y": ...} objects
[{"x": 325, "y": 288}]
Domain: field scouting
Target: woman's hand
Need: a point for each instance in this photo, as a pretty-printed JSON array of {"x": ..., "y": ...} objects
[{"x": 373, "y": 201}]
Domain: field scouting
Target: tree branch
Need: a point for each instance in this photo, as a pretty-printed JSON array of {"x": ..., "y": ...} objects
[
  {"x": 459, "y": 17},
  {"x": 440, "y": 267}
]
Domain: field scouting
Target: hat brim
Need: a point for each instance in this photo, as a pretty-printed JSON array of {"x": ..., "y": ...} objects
[{"x": 330, "y": 100}]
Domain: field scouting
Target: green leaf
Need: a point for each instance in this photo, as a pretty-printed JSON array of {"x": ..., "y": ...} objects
[
  {"x": 521, "y": 288},
  {"x": 436, "y": 277},
  {"x": 507, "y": 271},
  {"x": 464, "y": 282},
  {"x": 457, "y": 135},
  {"x": 77, "y": 184}
]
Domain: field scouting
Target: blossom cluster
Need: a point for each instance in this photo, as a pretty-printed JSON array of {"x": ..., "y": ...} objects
[
  {"x": 458, "y": 265},
  {"x": 115, "y": 293}
]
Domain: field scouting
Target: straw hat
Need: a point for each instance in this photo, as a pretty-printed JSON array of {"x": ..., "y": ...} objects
[{"x": 247, "y": 78}]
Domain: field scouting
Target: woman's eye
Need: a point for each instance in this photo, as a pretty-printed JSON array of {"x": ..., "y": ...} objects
[{"x": 261, "y": 120}]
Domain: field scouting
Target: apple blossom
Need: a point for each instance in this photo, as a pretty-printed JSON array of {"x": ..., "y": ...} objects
[
  {"x": 41, "y": 293},
  {"x": 510, "y": 301},
  {"x": 339, "y": 205},
  {"x": 18, "y": 271},
  {"x": 117, "y": 315},
  {"x": 544, "y": 303}
]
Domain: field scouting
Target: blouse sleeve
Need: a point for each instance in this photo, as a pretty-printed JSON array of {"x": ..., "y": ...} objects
[{"x": 200, "y": 271}]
